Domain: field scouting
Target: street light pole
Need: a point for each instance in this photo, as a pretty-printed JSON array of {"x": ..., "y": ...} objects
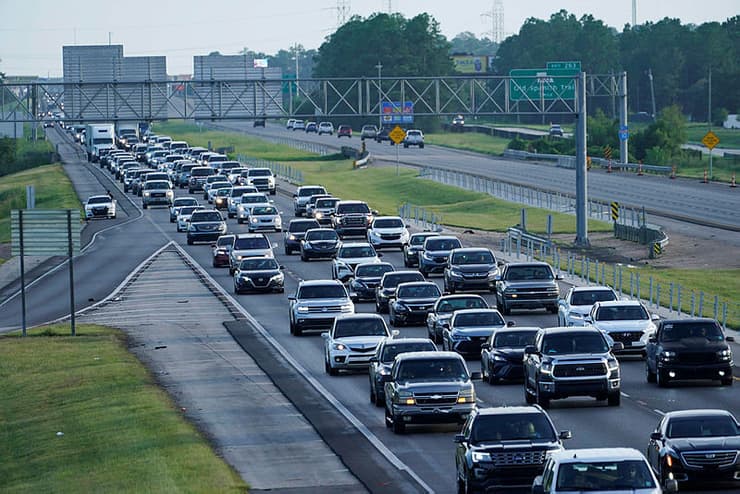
[
  {"x": 380, "y": 100},
  {"x": 295, "y": 52}
]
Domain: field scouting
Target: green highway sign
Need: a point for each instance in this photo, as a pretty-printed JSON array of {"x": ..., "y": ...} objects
[
  {"x": 552, "y": 83},
  {"x": 564, "y": 65}
]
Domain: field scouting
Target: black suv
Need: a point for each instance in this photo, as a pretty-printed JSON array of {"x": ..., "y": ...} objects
[
  {"x": 387, "y": 287},
  {"x": 567, "y": 362},
  {"x": 689, "y": 349},
  {"x": 472, "y": 268},
  {"x": 414, "y": 246},
  {"x": 527, "y": 285},
  {"x": 382, "y": 361},
  {"x": 435, "y": 253},
  {"x": 352, "y": 218},
  {"x": 366, "y": 279},
  {"x": 504, "y": 448},
  {"x": 502, "y": 356},
  {"x": 295, "y": 232}
]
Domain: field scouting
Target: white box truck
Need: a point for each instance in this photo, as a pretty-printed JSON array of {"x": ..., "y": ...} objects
[{"x": 99, "y": 137}]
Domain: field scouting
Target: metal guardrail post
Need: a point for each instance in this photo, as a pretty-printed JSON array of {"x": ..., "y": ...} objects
[
  {"x": 637, "y": 275},
  {"x": 678, "y": 288},
  {"x": 701, "y": 304},
  {"x": 657, "y": 296},
  {"x": 716, "y": 307},
  {"x": 670, "y": 297},
  {"x": 693, "y": 304}
]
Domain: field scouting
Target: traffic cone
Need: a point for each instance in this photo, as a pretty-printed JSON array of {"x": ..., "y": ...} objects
[
  {"x": 732, "y": 182},
  {"x": 673, "y": 172},
  {"x": 705, "y": 181},
  {"x": 639, "y": 170}
]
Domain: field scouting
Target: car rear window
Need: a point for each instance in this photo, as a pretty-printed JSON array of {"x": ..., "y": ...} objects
[
  {"x": 322, "y": 291},
  {"x": 251, "y": 243},
  {"x": 206, "y": 216}
]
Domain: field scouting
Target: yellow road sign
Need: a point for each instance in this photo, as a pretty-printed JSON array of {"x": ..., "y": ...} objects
[
  {"x": 657, "y": 249},
  {"x": 710, "y": 140},
  {"x": 397, "y": 135},
  {"x": 615, "y": 210}
]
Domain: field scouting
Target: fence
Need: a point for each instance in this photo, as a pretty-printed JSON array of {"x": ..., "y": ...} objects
[
  {"x": 421, "y": 217},
  {"x": 565, "y": 161},
  {"x": 285, "y": 172}
]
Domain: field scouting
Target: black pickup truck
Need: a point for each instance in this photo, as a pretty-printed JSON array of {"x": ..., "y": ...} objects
[{"x": 527, "y": 285}]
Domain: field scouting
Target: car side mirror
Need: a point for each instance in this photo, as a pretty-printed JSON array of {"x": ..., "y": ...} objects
[
  {"x": 588, "y": 319},
  {"x": 559, "y": 277},
  {"x": 386, "y": 378},
  {"x": 395, "y": 332},
  {"x": 654, "y": 317},
  {"x": 213, "y": 245},
  {"x": 459, "y": 438},
  {"x": 291, "y": 297},
  {"x": 375, "y": 212},
  {"x": 656, "y": 436},
  {"x": 730, "y": 338},
  {"x": 510, "y": 324},
  {"x": 446, "y": 325},
  {"x": 565, "y": 435},
  {"x": 373, "y": 359},
  {"x": 485, "y": 346},
  {"x": 653, "y": 339},
  {"x": 379, "y": 254},
  {"x": 295, "y": 195},
  {"x": 537, "y": 487},
  {"x": 617, "y": 346},
  {"x": 281, "y": 267},
  {"x": 530, "y": 349},
  {"x": 325, "y": 336},
  {"x": 476, "y": 376}
]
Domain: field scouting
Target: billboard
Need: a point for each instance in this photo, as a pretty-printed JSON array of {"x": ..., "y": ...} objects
[
  {"x": 470, "y": 64},
  {"x": 396, "y": 113}
]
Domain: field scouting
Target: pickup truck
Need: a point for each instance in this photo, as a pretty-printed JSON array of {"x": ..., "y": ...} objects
[{"x": 527, "y": 285}]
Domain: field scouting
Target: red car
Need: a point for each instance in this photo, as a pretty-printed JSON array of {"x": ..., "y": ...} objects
[
  {"x": 344, "y": 130},
  {"x": 221, "y": 250}
]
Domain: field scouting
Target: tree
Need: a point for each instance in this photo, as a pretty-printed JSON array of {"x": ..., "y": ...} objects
[
  {"x": 662, "y": 140},
  {"x": 466, "y": 43}
]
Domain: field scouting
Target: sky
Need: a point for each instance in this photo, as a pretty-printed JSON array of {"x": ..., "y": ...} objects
[{"x": 32, "y": 32}]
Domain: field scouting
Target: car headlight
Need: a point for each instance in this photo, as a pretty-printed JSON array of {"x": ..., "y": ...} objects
[
  {"x": 318, "y": 215},
  {"x": 725, "y": 354},
  {"x": 613, "y": 364},
  {"x": 426, "y": 255},
  {"x": 291, "y": 237},
  {"x": 499, "y": 358},
  {"x": 146, "y": 194},
  {"x": 339, "y": 346},
  {"x": 302, "y": 309},
  {"x": 278, "y": 221},
  {"x": 467, "y": 396},
  {"x": 667, "y": 355},
  {"x": 458, "y": 336},
  {"x": 170, "y": 193},
  {"x": 493, "y": 273},
  {"x": 479, "y": 456},
  {"x": 277, "y": 278},
  {"x": 383, "y": 371},
  {"x": 253, "y": 219},
  {"x": 455, "y": 273},
  {"x": 222, "y": 227},
  {"x": 546, "y": 368},
  {"x": 347, "y": 308},
  {"x": 400, "y": 307},
  {"x": 359, "y": 283},
  {"x": 405, "y": 398}
]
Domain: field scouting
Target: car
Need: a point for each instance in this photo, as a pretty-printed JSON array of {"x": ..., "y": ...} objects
[
  {"x": 352, "y": 341},
  {"x": 457, "y": 123},
  {"x": 503, "y": 449},
  {"x": 388, "y": 232},
  {"x": 412, "y": 248},
  {"x": 264, "y": 218},
  {"x": 502, "y": 356},
  {"x": 344, "y": 131},
  {"x": 289, "y": 123},
  {"x": 100, "y": 206},
  {"x": 555, "y": 130},
  {"x": 198, "y": 176},
  {"x": 157, "y": 192},
  {"x": 48, "y": 124},
  {"x": 258, "y": 122},
  {"x": 221, "y": 197},
  {"x": 435, "y": 252},
  {"x": 349, "y": 255},
  {"x": 527, "y": 285},
  {"x": 263, "y": 179},
  {"x": 235, "y": 173},
  {"x": 221, "y": 250},
  {"x": 566, "y": 362},
  {"x": 468, "y": 329},
  {"x": 352, "y": 218},
  {"x": 178, "y": 203},
  {"x": 471, "y": 268},
  {"x": 428, "y": 387},
  {"x": 262, "y": 274},
  {"x": 696, "y": 446},
  {"x": 213, "y": 184},
  {"x": 319, "y": 243},
  {"x": 326, "y": 128},
  {"x": 386, "y": 290},
  {"x": 205, "y": 225},
  {"x": 412, "y": 302},
  {"x": 627, "y": 321},
  {"x": 443, "y": 309},
  {"x": 312, "y": 127},
  {"x": 183, "y": 217},
  {"x": 311, "y": 203},
  {"x": 295, "y": 232},
  {"x": 382, "y": 361},
  {"x": 298, "y": 125},
  {"x": 575, "y": 306},
  {"x": 414, "y": 137},
  {"x": 323, "y": 210},
  {"x": 601, "y": 470},
  {"x": 247, "y": 201},
  {"x": 129, "y": 176},
  {"x": 248, "y": 245},
  {"x": 368, "y": 132},
  {"x": 384, "y": 135},
  {"x": 302, "y": 195},
  {"x": 315, "y": 305},
  {"x": 235, "y": 198},
  {"x": 366, "y": 279},
  {"x": 694, "y": 348}
]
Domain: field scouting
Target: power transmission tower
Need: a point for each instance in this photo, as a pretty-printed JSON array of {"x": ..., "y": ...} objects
[
  {"x": 496, "y": 14},
  {"x": 390, "y": 6},
  {"x": 343, "y": 11}
]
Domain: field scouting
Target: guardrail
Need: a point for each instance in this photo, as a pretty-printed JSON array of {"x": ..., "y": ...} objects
[
  {"x": 421, "y": 217},
  {"x": 565, "y": 161},
  {"x": 285, "y": 172}
]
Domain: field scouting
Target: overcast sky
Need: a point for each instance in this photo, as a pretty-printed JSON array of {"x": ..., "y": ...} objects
[{"x": 32, "y": 32}]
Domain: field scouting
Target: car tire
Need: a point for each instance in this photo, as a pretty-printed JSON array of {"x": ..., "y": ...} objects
[
  {"x": 144, "y": 206},
  {"x": 451, "y": 288},
  {"x": 398, "y": 426},
  {"x": 542, "y": 401},
  {"x": 190, "y": 241},
  {"x": 421, "y": 146},
  {"x": 649, "y": 375},
  {"x": 727, "y": 381},
  {"x": 614, "y": 399},
  {"x": 553, "y": 309},
  {"x": 329, "y": 369},
  {"x": 236, "y": 289},
  {"x": 387, "y": 420},
  {"x": 424, "y": 273},
  {"x": 304, "y": 257},
  {"x": 529, "y": 398},
  {"x": 240, "y": 221},
  {"x": 405, "y": 145},
  {"x": 288, "y": 251},
  {"x": 190, "y": 191},
  {"x": 661, "y": 378},
  {"x": 505, "y": 309}
]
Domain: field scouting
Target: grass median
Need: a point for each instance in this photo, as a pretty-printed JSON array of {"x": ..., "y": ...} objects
[{"x": 121, "y": 432}]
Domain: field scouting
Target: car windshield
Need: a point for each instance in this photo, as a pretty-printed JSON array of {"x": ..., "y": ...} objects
[
  {"x": 301, "y": 226},
  {"x": 371, "y": 326},
  {"x": 250, "y": 243},
  {"x": 321, "y": 235},
  {"x": 513, "y": 339},
  {"x": 322, "y": 291},
  {"x": 206, "y": 216},
  {"x": 260, "y": 173},
  {"x": 263, "y": 210},
  {"x": 354, "y": 208},
  {"x": 261, "y": 263},
  {"x": 520, "y": 273},
  {"x": 185, "y": 210},
  {"x": 567, "y": 343},
  {"x": 442, "y": 244},
  {"x": 419, "y": 239},
  {"x": 472, "y": 258},
  {"x": 392, "y": 349},
  {"x": 388, "y": 223},
  {"x": 608, "y": 476},
  {"x": 680, "y": 330},
  {"x": 393, "y": 281},
  {"x": 418, "y": 291},
  {"x": 326, "y": 203},
  {"x": 372, "y": 270},
  {"x": 499, "y": 428},
  {"x": 457, "y": 303},
  {"x": 698, "y": 426},
  {"x": 590, "y": 297},
  {"x": 157, "y": 185},
  {"x": 253, "y": 199},
  {"x": 99, "y": 200},
  {"x": 185, "y": 201},
  {"x": 225, "y": 192},
  {"x": 353, "y": 252},
  {"x": 202, "y": 172},
  {"x": 472, "y": 319},
  {"x": 225, "y": 240},
  {"x": 622, "y": 313},
  {"x": 311, "y": 191},
  {"x": 432, "y": 370}
]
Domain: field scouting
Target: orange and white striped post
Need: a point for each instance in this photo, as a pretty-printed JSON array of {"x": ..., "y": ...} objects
[
  {"x": 705, "y": 181},
  {"x": 673, "y": 172},
  {"x": 639, "y": 169},
  {"x": 732, "y": 182}
]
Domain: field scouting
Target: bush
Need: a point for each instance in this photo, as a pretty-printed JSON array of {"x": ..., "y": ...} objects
[{"x": 18, "y": 155}]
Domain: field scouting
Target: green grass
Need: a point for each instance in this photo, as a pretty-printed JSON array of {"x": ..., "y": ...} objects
[
  {"x": 469, "y": 141},
  {"x": 53, "y": 191},
  {"x": 728, "y": 138},
  {"x": 122, "y": 433}
]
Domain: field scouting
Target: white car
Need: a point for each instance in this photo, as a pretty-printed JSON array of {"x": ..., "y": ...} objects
[
  {"x": 413, "y": 137},
  {"x": 247, "y": 201},
  {"x": 183, "y": 217},
  {"x": 626, "y": 321},
  {"x": 235, "y": 198},
  {"x": 264, "y": 218},
  {"x": 575, "y": 306},
  {"x": 352, "y": 342},
  {"x": 248, "y": 245},
  {"x": 214, "y": 188},
  {"x": 289, "y": 124},
  {"x": 178, "y": 203},
  {"x": 326, "y": 128},
  {"x": 349, "y": 256},
  {"x": 388, "y": 231},
  {"x": 599, "y": 470},
  {"x": 102, "y": 206},
  {"x": 299, "y": 125}
]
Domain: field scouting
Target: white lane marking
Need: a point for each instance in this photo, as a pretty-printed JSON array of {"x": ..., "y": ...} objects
[
  {"x": 382, "y": 448},
  {"x": 624, "y": 394}
]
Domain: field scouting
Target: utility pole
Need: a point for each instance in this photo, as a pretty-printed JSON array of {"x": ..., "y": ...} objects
[
  {"x": 380, "y": 100},
  {"x": 709, "y": 121},
  {"x": 581, "y": 171},
  {"x": 295, "y": 52}
]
